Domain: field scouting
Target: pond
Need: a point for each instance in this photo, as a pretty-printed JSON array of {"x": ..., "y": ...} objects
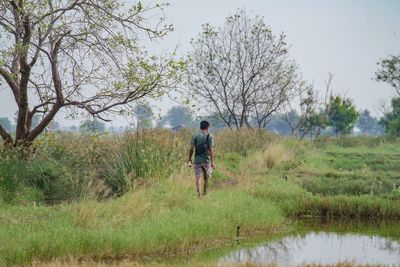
[
  {"x": 320, "y": 248},
  {"x": 305, "y": 242}
]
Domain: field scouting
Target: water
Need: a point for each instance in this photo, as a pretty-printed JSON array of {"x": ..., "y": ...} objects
[{"x": 320, "y": 248}]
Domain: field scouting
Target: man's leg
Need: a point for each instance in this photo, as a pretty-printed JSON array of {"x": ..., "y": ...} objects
[
  {"x": 205, "y": 184},
  {"x": 198, "y": 185},
  {"x": 197, "y": 174},
  {"x": 206, "y": 172}
]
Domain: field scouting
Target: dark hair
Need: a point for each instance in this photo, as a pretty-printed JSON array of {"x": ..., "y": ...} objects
[{"x": 204, "y": 125}]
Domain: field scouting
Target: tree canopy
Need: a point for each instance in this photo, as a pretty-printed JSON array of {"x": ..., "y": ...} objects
[
  {"x": 389, "y": 72},
  {"x": 341, "y": 114},
  {"x": 177, "y": 115},
  {"x": 144, "y": 116},
  {"x": 391, "y": 120},
  {"x": 80, "y": 55},
  {"x": 368, "y": 125},
  {"x": 93, "y": 125}
]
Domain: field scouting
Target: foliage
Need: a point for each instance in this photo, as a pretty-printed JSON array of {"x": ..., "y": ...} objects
[
  {"x": 216, "y": 123},
  {"x": 279, "y": 125},
  {"x": 93, "y": 126},
  {"x": 341, "y": 114},
  {"x": 82, "y": 57},
  {"x": 55, "y": 181},
  {"x": 39, "y": 180},
  {"x": 389, "y": 72},
  {"x": 10, "y": 169},
  {"x": 63, "y": 167},
  {"x": 368, "y": 125},
  {"x": 144, "y": 116},
  {"x": 311, "y": 121},
  {"x": 177, "y": 115},
  {"x": 391, "y": 120}
]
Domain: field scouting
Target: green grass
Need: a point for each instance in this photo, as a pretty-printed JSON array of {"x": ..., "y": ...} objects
[
  {"x": 350, "y": 171},
  {"x": 174, "y": 221},
  {"x": 162, "y": 215}
]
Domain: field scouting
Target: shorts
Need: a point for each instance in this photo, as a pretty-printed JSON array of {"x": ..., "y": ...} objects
[{"x": 198, "y": 169}]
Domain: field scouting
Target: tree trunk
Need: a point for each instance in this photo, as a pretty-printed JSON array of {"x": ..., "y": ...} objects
[{"x": 6, "y": 136}]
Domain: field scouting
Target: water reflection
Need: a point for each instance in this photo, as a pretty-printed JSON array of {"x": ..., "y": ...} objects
[{"x": 320, "y": 248}]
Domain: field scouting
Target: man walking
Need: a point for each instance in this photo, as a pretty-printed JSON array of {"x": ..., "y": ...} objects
[{"x": 203, "y": 145}]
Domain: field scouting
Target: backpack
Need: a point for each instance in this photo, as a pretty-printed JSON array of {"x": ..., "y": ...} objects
[{"x": 203, "y": 147}]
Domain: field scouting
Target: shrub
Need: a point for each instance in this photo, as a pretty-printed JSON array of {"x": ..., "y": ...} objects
[
  {"x": 39, "y": 177},
  {"x": 56, "y": 181},
  {"x": 9, "y": 183},
  {"x": 13, "y": 189}
]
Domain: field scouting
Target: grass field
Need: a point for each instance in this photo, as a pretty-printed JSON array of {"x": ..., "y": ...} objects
[{"x": 132, "y": 196}]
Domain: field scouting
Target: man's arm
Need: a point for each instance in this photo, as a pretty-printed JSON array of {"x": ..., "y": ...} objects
[
  {"x": 191, "y": 150},
  {"x": 211, "y": 151}
]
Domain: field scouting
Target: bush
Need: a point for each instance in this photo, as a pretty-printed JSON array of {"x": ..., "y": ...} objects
[
  {"x": 13, "y": 190},
  {"x": 9, "y": 179},
  {"x": 38, "y": 177},
  {"x": 55, "y": 181}
]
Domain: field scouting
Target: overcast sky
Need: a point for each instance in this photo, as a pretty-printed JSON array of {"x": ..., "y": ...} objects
[{"x": 344, "y": 37}]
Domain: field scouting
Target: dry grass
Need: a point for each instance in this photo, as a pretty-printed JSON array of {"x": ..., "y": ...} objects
[
  {"x": 129, "y": 263},
  {"x": 263, "y": 161},
  {"x": 342, "y": 264},
  {"x": 243, "y": 141}
]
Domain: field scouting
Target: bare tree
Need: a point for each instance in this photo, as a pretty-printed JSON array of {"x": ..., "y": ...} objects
[
  {"x": 312, "y": 117},
  {"x": 314, "y": 111},
  {"x": 300, "y": 123},
  {"x": 285, "y": 83},
  {"x": 80, "y": 55},
  {"x": 243, "y": 69}
]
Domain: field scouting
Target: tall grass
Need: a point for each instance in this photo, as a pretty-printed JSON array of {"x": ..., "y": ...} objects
[
  {"x": 68, "y": 167},
  {"x": 138, "y": 156},
  {"x": 12, "y": 186}
]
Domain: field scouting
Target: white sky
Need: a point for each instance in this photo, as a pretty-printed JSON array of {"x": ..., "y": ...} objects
[{"x": 344, "y": 37}]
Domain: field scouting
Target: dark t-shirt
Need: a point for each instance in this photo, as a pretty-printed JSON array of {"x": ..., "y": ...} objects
[{"x": 200, "y": 138}]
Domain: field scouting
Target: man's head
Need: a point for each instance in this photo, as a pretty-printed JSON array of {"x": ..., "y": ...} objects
[{"x": 204, "y": 125}]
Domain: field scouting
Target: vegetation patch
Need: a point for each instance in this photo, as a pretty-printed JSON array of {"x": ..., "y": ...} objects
[{"x": 158, "y": 212}]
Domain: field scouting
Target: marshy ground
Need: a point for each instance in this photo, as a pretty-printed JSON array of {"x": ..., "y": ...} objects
[{"x": 122, "y": 199}]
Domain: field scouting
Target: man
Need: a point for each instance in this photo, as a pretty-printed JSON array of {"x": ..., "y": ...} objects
[{"x": 203, "y": 145}]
